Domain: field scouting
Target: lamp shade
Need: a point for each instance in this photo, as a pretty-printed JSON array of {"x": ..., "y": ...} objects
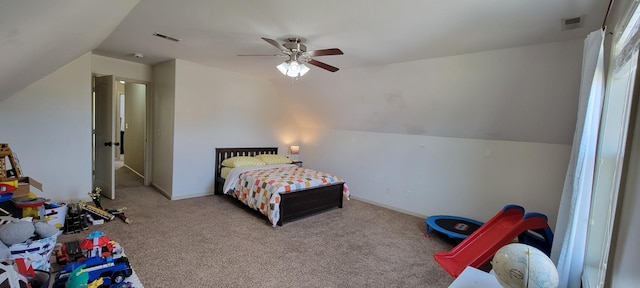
[
  {"x": 303, "y": 69},
  {"x": 295, "y": 149},
  {"x": 283, "y": 67},
  {"x": 292, "y": 68}
]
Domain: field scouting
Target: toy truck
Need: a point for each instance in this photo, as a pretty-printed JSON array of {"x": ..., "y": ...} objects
[{"x": 112, "y": 271}]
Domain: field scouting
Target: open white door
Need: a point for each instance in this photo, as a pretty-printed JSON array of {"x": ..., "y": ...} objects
[{"x": 105, "y": 135}]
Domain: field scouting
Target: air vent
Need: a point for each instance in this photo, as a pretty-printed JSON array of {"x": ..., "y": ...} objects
[
  {"x": 166, "y": 37},
  {"x": 572, "y": 23}
]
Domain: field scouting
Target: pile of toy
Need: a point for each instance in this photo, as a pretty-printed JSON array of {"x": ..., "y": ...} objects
[
  {"x": 16, "y": 196},
  {"x": 25, "y": 248},
  {"x": 96, "y": 261},
  {"x": 80, "y": 215}
]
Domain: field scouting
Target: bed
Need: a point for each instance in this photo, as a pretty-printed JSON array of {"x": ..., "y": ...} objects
[{"x": 294, "y": 204}]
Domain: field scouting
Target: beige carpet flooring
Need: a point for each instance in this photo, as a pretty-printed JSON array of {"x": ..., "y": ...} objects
[{"x": 212, "y": 242}]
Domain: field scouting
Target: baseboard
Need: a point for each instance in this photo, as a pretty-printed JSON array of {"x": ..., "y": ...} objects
[
  {"x": 164, "y": 193},
  {"x": 86, "y": 199},
  {"x": 388, "y": 207},
  {"x": 133, "y": 171},
  {"x": 187, "y": 196},
  {"x": 179, "y": 197}
]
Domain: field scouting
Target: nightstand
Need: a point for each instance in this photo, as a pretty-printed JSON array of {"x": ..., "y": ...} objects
[{"x": 299, "y": 163}]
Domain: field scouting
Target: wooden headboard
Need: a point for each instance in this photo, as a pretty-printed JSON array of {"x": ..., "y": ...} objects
[{"x": 224, "y": 153}]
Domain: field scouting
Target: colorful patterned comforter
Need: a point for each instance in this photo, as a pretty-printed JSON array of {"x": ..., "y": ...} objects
[{"x": 261, "y": 189}]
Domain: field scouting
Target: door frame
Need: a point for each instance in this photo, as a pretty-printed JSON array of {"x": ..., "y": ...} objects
[
  {"x": 148, "y": 163},
  {"x": 148, "y": 126}
]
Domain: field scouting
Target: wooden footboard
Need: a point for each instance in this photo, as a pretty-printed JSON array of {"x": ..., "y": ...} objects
[
  {"x": 304, "y": 203},
  {"x": 293, "y": 205}
]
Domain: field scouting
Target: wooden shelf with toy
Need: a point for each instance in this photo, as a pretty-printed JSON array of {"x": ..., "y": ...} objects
[
  {"x": 13, "y": 175},
  {"x": 5, "y": 152}
]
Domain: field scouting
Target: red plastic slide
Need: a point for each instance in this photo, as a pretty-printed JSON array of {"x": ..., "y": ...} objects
[{"x": 482, "y": 244}]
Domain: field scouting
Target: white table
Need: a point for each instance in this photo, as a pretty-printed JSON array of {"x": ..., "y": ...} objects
[{"x": 472, "y": 278}]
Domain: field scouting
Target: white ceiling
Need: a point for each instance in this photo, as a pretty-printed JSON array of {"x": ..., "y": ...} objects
[
  {"x": 39, "y": 36},
  {"x": 368, "y": 32}
]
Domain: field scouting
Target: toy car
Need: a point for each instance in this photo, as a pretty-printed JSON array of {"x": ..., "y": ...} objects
[
  {"x": 68, "y": 252},
  {"x": 112, "y": 270}
]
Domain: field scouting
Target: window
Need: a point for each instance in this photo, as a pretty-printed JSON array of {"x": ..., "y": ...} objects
[{"x": 611, "y": 150}]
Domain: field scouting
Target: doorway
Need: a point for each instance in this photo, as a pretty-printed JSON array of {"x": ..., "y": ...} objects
[
  {"x": 119, "y": 118},
  {"x": 131, "y": 129}
]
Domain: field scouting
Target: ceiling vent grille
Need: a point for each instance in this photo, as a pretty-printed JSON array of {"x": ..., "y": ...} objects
[
  {"x": 572, "y": 23},
  {"x": 166, "y": 37}
]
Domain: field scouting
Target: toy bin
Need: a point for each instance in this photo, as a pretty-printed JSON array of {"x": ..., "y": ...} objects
[
  {"x": 37, "y": 252},
  {"x": 55, "y": 215}
]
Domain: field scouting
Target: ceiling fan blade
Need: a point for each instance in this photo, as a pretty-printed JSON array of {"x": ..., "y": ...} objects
[
  {"x": 274, "y": 43},
  {"x": 323, "y": 65},
  {"x": 325, "y": 52},
  {"x": 271, "y": 55}
]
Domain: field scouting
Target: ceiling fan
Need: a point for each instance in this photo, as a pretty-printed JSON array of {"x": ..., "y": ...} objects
[{"x": 298, "y": 56}]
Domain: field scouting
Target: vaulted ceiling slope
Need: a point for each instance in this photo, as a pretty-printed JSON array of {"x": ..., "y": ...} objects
[
  {"x": 386, "y": 84},
  {"x": 377, "y": 32},
  {"x": 39, "y": 36}
]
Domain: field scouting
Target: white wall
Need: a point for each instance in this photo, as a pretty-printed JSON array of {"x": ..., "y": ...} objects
[
  {"x": 164, "y": 88},
  {"x": 218, "y": 108},
  {"x": 425, "y": 175},
  {"x": 388, "y": 129},
  {"x": 524, "y": 94},
  {"x": 211, "y": 108},
  {"x": 121, "y": 69},
  {"x": 135, "y": 126},
  {"x": 48, "y": 125}
]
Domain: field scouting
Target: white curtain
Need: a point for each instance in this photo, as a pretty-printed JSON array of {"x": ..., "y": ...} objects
[{"x": 571, "y": 227}]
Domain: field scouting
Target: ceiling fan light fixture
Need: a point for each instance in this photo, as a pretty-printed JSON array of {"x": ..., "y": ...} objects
[
  {"x": 299, "y": 56},
  {"x": 292, "y": 68}
]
